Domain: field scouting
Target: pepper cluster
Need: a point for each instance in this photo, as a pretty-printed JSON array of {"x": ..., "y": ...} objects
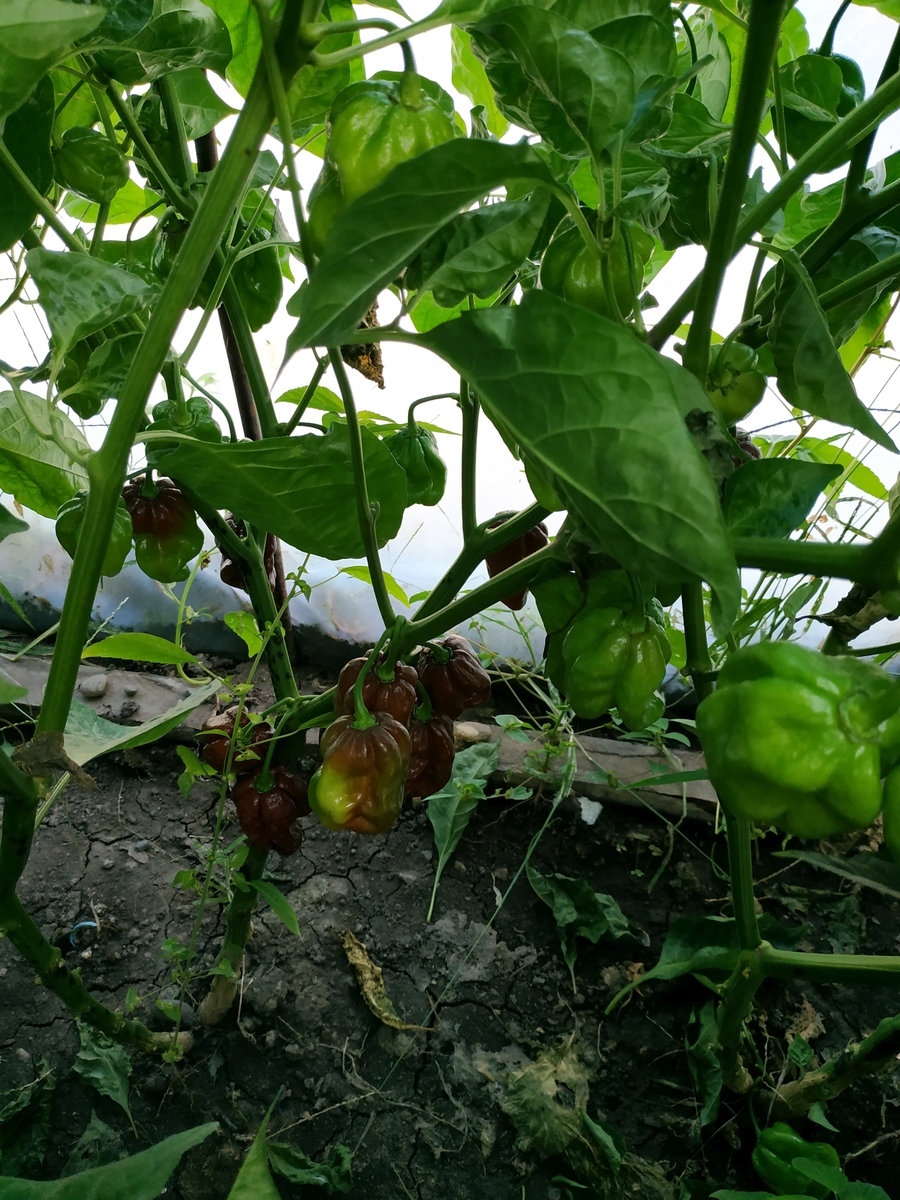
[
  {"x": 605, "y": 647},
  {"x": 405, "y": 749}
]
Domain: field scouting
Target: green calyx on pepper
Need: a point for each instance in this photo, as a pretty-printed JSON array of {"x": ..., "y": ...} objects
[
  {"x": 166, "y": 534},
  {"x": 69, "y": 520},
  {"x": 373, "y": 125},
  {"x": 572, "y": 270},
  {"x": 791, "y": 738},
  {"x": 734, "y": 385},
  {"x": 774, "y": 1155},
  {"x": 415, "y": 450},
  {"x": 615, "y": 654},
  {"x": 193, "y": 418},
  {"x": 90, "y": 165}
]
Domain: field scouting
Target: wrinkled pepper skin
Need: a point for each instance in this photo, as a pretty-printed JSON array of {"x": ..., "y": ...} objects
[
  {"x": 529, "y": 543},
  {"x": 431, "y": 759},
  {"x": 458, "y": 683},
  {"x": 198, "y": 422},
  {"x": 89, "y": 165},
  {"x": 69, "y": 520},
  {"x": 415, "y": 450},
  {"x": 734, "y": 384},
  {"x": 396, "y": 696},
  {"x": 230, "y": 572},
  {"x": 791, "y": 738},
  {"x": 270, "y": 820},
  {"x": 166, "y": 534},
  {"x": 359, "y": 785},
  {"x": 775, "y": 1152},
  {"x": 250, "y": 745},
  {"x": 373, "y": 125}
]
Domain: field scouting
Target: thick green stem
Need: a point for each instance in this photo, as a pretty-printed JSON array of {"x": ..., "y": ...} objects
[
  {"x": 698, "y": 661},
  {"x": 20, "y": 803},
  {"x": 740, "y": 869},
  {"x": 470, "y": 408},
  {"x": 881, "y": 272},
  {"x": 736, "y": 1006},
  {"x": 762, "y": 40},
  {"x": 802, "y": 558},
  {"x": 859, "y": 160},
  {"x": 365, "y": 511},
  {"x": 868, "y": 970}
]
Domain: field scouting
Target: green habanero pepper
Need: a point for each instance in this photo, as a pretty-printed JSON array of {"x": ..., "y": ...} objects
[
  {"x": 259, "y": 281},
  {"x": 90, "y": 165},
  {"x": 415, "y": 450},
  {"x": 69, "y": 520},
  {"x": 791, "y": 738},
  {"x": 197, "y": 422},
  {"x": 830, "y": 83},
  {"x": 571, "y": 269},
  {"x": 615, "y": 656},
  {"x": 168, "y": 243},
  {"x": 774, "y": 1155},
  {"x": 890, "y": 813},
  {"x": 166, "y": 534},
  {"x": 359, "y": 785},
  {"x": 734, "y": 385}
]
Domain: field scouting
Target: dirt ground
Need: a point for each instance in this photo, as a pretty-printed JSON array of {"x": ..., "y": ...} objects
[{"x": 421, "y": 1112}]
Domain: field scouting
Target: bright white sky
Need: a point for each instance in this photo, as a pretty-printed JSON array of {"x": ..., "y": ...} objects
[{"x": 430, "y": 536}]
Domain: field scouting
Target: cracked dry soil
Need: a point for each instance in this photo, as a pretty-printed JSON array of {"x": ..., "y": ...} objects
[{"x": 421, "y": 1112}]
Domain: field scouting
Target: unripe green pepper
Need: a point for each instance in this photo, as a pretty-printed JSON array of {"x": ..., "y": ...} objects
[
  {"x": 198, "y": 422},
  {"x": 415, "y": 450},
  {"x": 890, "y": 813},
  {"x": 326, "y": 202},
  {"x": 801, "y": 78},
  {"x": 734, "y": 385},
  {"x": 168, "y": 244},
  {"x": 774, "y": 1155},
  {"x": 572, "y": 270},
  {"x": 259, "y": 281},
  {"x": 90, "y": 165},
  {"x": 791, "y": 738},
  {"x": 359, "y": 785},
  {"x": 69, "y": 520},
  {"x": 166, "y": 534}
]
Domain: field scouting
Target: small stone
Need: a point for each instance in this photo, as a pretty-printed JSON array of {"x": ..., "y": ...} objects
[
  {"x": 108, "y": 864},
  {"x": 22, "y": 1054},
  {"x": 131, "y": 689},
  {"x": 93, "y": 687}
]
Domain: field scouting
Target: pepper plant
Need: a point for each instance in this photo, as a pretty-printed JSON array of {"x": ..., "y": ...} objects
[{"x": 524, "y": 264}]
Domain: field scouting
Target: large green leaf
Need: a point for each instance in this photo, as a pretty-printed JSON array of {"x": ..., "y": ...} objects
[
  {"x": 811, "y": 375},
  {"x": 141, "y": 1177},
  {"x": 27, "y": 137},
  {"x": 10, "y": 524},
  {"x": 201, "y": 107},
  {"x": 124, "y": 19},
  {"x": 772, "y": 496},
  {"x": 34, "y": 36},
  {"x": 602, "y": 412},
  {"x": 469, "y": 78},
  {"x": 33, "y": 467},
  {"x": 182, "y": 34},
  {"x": 301, "y": 489},
  {"x": 81, "y": 295},
  {"x": 381, "y": 231}
]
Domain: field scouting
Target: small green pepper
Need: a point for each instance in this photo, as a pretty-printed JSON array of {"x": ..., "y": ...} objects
[
  {"x": 69, "y": 520},
  {"x": 827, "y": 83},
  {"x": 415, "y": 450},
  {"x": 572, "y": 270},
  {"x": 197, "y": 422},
  {"x": 259, "y": 281},
  {"x": 734, "y": 384},
  {"x": 774, "y": 1155},
  {"x": 90, "y": 165}
]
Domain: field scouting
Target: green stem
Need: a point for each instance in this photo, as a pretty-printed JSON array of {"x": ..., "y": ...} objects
[
  {"x": 881, "y": 272},
  {"x": 107, "y": 467},
  {"x": 297, "y": 415},
  {"x": 470, "y": 408},
  {"x": 349, "y": 53},
  {"x": 699, "y": 664},
  {"x": 362, "y": 718},
  {"x": 99, "y": 227},
  {"x": 762, "y": 40},
  {"x": 802, "y": 558},
  {"x": 740, "y": 868},
  {"x": 365, "y": 511},
  {"x": 410, "y": 419},
  {"x": 19, "y": 809},
  {"x": 859, "y": 160},
  {"x": 753, "y": 285},
  {"x": 151, "y": 159},
  {"x": 868, "y": 970},
  {"x": 780, "y": 132},
  {"x": 175, "y": 129},
  {"x": 827, "y": 45},
  {"x": 736, "y": 1006}
]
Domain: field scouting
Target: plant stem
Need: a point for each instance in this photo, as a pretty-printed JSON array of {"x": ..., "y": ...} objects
[
  {"x": 289, "y": 426},
  {"x": 762, "y": 39},
  {"x": 364, "y": 508},
  {"x": 175, "y": 128},
  {"x": 859, "y": 160},
  {"x": 740, "y": 869},
  {"x": 880, "y": 272},
  {"x": 470, "y": 408},
  {"x": 868, "y": 970},
  {"x": 698, "y": 661},
  {"x": 736, "y": 1006},
  {"x": 803, "y": 558},
  {"x": 20, "y": 805}
]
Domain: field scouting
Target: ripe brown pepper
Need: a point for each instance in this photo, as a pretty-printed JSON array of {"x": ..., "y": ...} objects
[
  {"x": 528, "y": 543},
  {"x": 396, "y": 696},
  {"x": 453, "y": 676},
  {"x": 270, "y": 819},
  {"x": 230, "y": 571},
  {"x": 166, "y": 536},
  {"x": 431, "y": 760},
  {"x": 249, "y": 750}
]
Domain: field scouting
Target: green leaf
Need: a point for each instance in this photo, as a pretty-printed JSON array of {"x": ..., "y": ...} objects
[
  {"x": 105, "y": 373},
  {"x": 97, "y": 1146},
  {"x": 428, "y": 314},
  {"x": 771, "y": 497},
  {"x": 254, "y": 1181},
  {"x": 300, "y": 489},
  {"x": 612, "y": 436},
  {"x": 450, "y": 810},
  {"x": 334, "y": 1175},
  {"x": 8, "y": 598},
  {"x": 10, "y": 691},
  {"x": 864, "y": 869},
  {"x": 278, "y": 902},
  {"x": 579, "y": 911},
  {"x": 126, "y": 206},
  {"x": 831, "y": 1177},
  {"x": 140, "y": 647},
  {"x": 393, "y": 587},
  {"x": 469, "y": 77},
  {"x": 591, "y": 84},
  {"x": 713, "y": 80},
  {"x": 701, "y": 1042},
  {"x": 811, "y": 375},
  {"x": 182, "y": 34},
  {"x": 104, "y": 1065},
  {"x": 34, "y": 36},
  {"x": 245, "y": 626},
  {"x": 26, "y": 133},
  {"x": 88, "y": 736},
  {"x": 141, "y": 1177},
  {"x": 476, "y": 763},
  {"x": 381, "y": 231},
  {"x": 201, "y": 108},
  {"x": 124, "y": 19},
  {"x": 33, "y": 468},
  {"x": 82, "y": 295},
  {"x": 10, "y": 524},
  {"x": 26, "y": 1122},
  {"x": 194, "y": 769},
  {"x": 858, "y": 474}
]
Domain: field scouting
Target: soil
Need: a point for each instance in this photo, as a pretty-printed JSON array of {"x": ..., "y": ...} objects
[{"x": 422, "y": 1111}]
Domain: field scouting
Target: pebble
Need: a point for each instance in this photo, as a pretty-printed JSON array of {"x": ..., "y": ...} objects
[{"x": 93, "y": 687}]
